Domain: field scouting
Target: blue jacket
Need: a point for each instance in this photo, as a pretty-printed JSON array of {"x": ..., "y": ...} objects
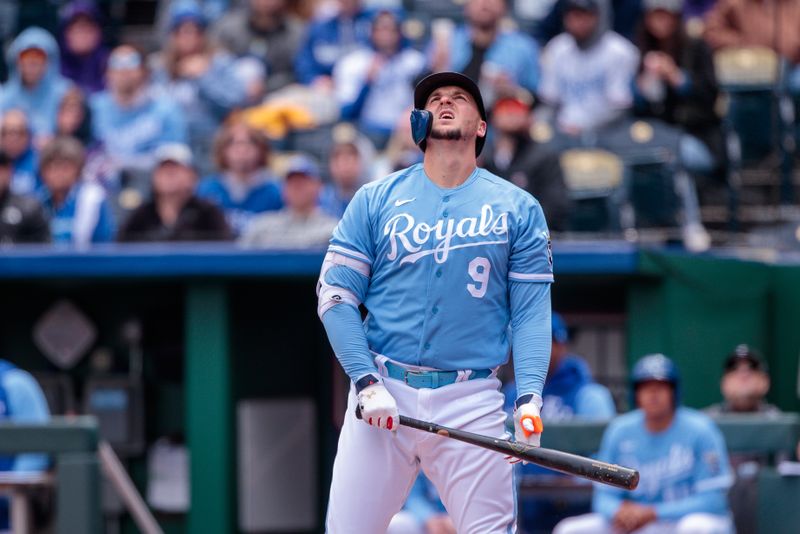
[
  {"x": 130, "y": 135},
  {"x": 571, "y": 392},
  {"x": 39, "y": 103},
  {"x": 21, "y": 400},
  {"x": 514, "y": 52},
  {"x": 265, "y": 196},
  {"x": 25, "y": 180},
  {"x": 84, "y": 217},
  {"x": 328, "y": 40}
]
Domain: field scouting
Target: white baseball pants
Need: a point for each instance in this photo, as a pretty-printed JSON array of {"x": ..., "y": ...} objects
[{"x": 375, "y": 469}]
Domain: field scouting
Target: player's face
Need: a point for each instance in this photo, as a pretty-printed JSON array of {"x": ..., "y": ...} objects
[
  {"x": 455, "y": 114},
  {"x": 656, "y": 399},
  {"x": 744, "y": 387}
]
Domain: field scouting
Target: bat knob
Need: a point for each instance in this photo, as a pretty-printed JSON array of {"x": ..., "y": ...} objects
[{"x": 358, "y": 412}]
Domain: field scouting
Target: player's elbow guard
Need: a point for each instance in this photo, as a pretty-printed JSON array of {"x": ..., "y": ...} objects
[{"x": 332, "y": 294}]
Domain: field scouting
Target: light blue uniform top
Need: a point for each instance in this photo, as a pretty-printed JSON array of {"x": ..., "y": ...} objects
[
  {"x": 682, "y": 470},
  {"x": 444, "y": 264}
]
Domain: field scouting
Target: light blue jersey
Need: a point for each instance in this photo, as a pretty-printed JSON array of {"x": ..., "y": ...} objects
[
  {"x": 437, "y": 268},
  {"x": 683, "y": 469}
]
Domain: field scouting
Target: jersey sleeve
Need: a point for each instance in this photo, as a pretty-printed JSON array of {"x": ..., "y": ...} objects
[
  {"x": 353, "y": 235},
  {"x": 531, "y": 253}
]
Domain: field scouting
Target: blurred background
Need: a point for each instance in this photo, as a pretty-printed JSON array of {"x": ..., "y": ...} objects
[{"x": 171, "y": 172}]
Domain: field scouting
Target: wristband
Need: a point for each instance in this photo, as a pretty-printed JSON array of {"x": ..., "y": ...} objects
[
  {"x": 366, "y": 381},
  {"x": 524, "y": 399}
]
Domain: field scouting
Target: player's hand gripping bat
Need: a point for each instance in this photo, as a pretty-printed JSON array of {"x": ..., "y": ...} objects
[{"x": 564, "y": 462}]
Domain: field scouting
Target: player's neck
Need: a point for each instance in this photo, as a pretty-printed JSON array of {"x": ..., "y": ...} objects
[
  {"x": 448, "y": 168},
  {"x": 659, "y": 424}
]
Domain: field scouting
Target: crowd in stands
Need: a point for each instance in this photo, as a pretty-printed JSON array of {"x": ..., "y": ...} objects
[{"x": 193, "y": 133}]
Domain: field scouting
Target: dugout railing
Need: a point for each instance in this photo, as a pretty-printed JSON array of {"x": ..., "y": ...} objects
[{"x": 72, "y": 444}]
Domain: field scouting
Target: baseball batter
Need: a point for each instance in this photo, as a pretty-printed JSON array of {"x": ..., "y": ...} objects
[{"x": 445, "y": 256}]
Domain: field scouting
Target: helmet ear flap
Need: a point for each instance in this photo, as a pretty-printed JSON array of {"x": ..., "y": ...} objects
[{"x": 421, "y": 124}]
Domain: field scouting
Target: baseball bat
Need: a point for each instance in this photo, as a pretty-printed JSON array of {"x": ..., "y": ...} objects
[{"x": 564, "y": 462}]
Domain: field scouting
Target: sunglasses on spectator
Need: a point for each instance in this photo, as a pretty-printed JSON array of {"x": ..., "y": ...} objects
[{"x": 734, "y": 363}]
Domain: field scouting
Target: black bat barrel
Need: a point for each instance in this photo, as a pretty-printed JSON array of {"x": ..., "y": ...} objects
[{"x": 564, "y": 462}]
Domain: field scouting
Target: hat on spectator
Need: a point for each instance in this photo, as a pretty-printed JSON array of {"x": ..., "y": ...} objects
[
  {"x": 186, "y": 11},
  {"x": 673, "y": 6},
  {"x": 560, "y": 333},
  {"x": 583, "y": 5},
  {"x": 176, "y": 153},
  {"x": 303, "y": 165},
  {"x": 125, "y": 57},
  {"x": 745, "y": 353},
  {"x": 79, "y": 8}
]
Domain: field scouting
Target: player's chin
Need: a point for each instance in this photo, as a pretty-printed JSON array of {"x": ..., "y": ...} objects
[{"x": 446, "y": 133}]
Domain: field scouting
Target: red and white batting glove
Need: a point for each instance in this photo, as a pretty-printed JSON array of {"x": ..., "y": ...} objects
[
  {"x": 528, "y": 425},
  {"x": 378, "y": 407}
]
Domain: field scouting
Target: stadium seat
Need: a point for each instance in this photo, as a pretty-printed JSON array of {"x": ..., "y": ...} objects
[{"x": 595, "y": 180}]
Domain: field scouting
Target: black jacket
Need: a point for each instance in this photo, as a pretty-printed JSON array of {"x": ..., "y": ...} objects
[
  {"x": 198, "y": 221},
  {"x": 22, "y": 220},
  {"x": 536, "y": 169}
]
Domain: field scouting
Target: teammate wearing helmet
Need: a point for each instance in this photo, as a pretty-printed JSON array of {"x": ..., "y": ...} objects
[{"x": 680, "y": 455}]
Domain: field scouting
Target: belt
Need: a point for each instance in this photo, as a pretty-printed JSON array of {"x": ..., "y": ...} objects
[{"x": 430, "y": 379}]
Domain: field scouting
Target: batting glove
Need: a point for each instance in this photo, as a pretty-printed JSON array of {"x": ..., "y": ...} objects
[
  {"x": 528, "y": 425},
  {"x": 378, "y": 407}
]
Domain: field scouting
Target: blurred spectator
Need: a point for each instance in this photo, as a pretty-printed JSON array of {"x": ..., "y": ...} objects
[
  {"x": 83, "y": 54},
  {"x": 744, "y": 385},
  {"x": 174, "y": 213},
  {"x": 35, "y": 85},
  {"x": 677, "y": 84},
  {"x": 200, "y": 79},
  {"x": 423, "y": 512},
  {"x": 569, "y": 393},
  {"x": 78, "y": 211},
  {"x": 622, "y": 16},
  {"x": 265, "y": 30},
  {"x": 587, "y": 72},
  {"x": 127, "y": 119},
  {"x": 16, "y": 142},
  {"x": 349, "y": 165},
  {"x": 756, "y": 23},
  {"x": 374, "y": 84},
  {"x": 680, "y": 455},
  {"x": 330, "y": 39},
  {"x": 697, "y": 8},
  {"x": 22, "y": 219},
  {"x": 73, "y": 118},
  {"x": 301, "y": 223},
  {"x": 21, "y": 401},
  {"x": 511, "y": 153},
  {"x": 501, "y": 60},
  {"x": 244, "y": 187}
]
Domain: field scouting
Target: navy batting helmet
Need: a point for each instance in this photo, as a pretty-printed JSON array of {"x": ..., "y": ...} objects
[
  {"x": 422, "y": 121},
  {"x": 656, "y": 367}
]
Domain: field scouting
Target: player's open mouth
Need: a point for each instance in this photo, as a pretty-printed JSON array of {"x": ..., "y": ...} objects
[{"x": 447, "y": 115}]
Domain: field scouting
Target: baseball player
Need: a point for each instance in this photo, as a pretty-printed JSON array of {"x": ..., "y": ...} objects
[
  {"x": 444, "y": 256},
  {"x": 680, "y": 455}
]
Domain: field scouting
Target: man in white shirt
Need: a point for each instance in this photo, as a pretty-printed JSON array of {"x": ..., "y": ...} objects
[{"x": 587, "y": 71}]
